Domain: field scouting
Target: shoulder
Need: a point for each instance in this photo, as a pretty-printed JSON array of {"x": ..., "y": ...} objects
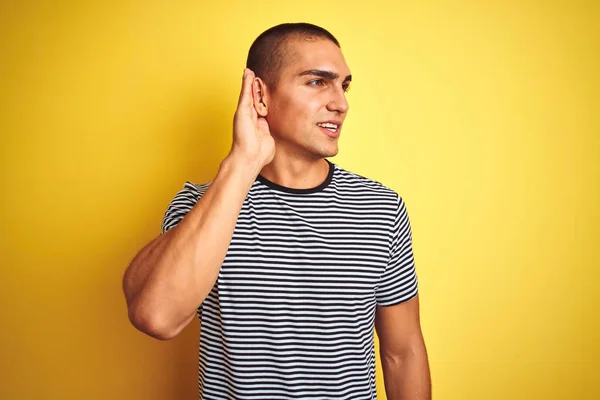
[
  {"x": 192, "y": 190},
  {"x": 182, "y": 203},
  {"x": 354, "y": 183},
  {"x": 198, "y": 188},
  {"x": 187, "y": 196}
]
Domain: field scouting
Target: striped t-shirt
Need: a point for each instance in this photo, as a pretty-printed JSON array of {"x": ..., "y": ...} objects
[{"x": 291, "y": 315}]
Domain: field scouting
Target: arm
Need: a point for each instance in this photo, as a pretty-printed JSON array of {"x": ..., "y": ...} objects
[
  {"x": 402, "y": 351},
  {"x": 172, "y": 275}
]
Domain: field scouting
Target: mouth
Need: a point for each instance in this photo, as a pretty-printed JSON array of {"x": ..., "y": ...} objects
[{"x": 331, "y": 128}]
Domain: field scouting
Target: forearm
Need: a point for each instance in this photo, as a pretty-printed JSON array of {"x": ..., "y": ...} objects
[
  {"x": 172, "y": 275},
  {"x": 407, "y": 376}
]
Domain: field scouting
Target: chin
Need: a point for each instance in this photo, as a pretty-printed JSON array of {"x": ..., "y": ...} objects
[
  {"x": 318, "y": 151},
  {"x": 328, "y": 152},
  {"x": 333, "y": 153}
]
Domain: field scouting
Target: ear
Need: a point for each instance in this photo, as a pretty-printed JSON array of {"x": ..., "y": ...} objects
[{"x": 260, "y": 97}]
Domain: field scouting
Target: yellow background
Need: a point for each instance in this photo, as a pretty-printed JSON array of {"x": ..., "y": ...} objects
[{"x": 482, "y": 115}]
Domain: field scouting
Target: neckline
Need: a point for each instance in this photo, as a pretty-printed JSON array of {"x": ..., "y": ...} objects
[{"x": 286, "y": 189}]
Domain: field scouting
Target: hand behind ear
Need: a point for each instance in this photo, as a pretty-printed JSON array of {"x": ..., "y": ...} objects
[{"x": 251, "y": 136}]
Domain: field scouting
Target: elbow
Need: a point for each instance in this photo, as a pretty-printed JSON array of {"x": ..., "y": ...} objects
[
  {"x": 396, "y": 356},
  {"x": 393, "y": 360},
  {"x": 150, "y": 321}
]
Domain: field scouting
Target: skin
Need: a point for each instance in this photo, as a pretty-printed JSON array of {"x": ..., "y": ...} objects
[
  {"x": 292, "y": 111},
  {"x": 274, "y": 133},
  {"x": 293, "y": 108},
  {"x": 403, "y": 353},
  {"x": 172, "y": 274}
]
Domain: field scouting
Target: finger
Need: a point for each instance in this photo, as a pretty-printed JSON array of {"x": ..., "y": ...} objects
[
  {"x": 255, "y": 90},
  {"x": 246, "y": 92}
]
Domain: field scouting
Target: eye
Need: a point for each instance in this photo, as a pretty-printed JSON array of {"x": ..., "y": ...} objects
[
  {"x": 346, "y": 87},
  {"x": 317, "y": 82}
]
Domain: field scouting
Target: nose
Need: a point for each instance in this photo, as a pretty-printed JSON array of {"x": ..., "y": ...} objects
[{"x": 338, "y": 101}]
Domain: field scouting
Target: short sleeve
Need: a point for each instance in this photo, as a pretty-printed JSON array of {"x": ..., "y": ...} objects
[
  {"x": 399, "y": 282},
  {"x": 181, "y": 204}
]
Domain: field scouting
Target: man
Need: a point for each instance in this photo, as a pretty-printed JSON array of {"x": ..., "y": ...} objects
[{"x": 289, "y": 260}]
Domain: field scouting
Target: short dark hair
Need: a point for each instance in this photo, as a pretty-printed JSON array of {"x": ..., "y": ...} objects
[{"x": 270, "y": 51}]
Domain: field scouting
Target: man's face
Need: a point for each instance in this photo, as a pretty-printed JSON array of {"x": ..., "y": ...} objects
[{"x": 308, "y": 105}]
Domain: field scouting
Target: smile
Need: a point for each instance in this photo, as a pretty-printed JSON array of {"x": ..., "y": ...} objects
[
  {"x": 331, "y": 129},
  {"x": 329, "y": 126}
]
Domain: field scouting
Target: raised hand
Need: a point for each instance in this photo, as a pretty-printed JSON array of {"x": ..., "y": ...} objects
[{"x": 251, "y": 137}]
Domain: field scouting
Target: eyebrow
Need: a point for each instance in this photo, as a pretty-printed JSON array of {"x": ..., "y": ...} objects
[{"x": 332, "y": 76}]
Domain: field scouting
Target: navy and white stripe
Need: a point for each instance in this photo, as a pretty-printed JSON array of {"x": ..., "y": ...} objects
[{"x": 291, "y": 315}]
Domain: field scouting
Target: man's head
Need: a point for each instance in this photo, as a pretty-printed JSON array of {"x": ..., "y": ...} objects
[{"x": 301, "y": 82}]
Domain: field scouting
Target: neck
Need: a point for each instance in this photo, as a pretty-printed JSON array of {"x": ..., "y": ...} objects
[{"x": 296, "y": 173}]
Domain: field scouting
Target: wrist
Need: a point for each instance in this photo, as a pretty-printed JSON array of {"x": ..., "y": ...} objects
[
  {"x": 242, "y": 165},
  {"x": 245, "y": 162}
]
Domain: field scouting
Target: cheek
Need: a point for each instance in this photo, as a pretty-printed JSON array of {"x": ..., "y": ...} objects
[
  {"x": 282, "y": 108},
  {"x": 298, "y": 111},
  {"x": 310, "y": 108}
]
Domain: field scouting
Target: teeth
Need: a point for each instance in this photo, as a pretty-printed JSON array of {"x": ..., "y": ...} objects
[{"x": 328, "y": 125}]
